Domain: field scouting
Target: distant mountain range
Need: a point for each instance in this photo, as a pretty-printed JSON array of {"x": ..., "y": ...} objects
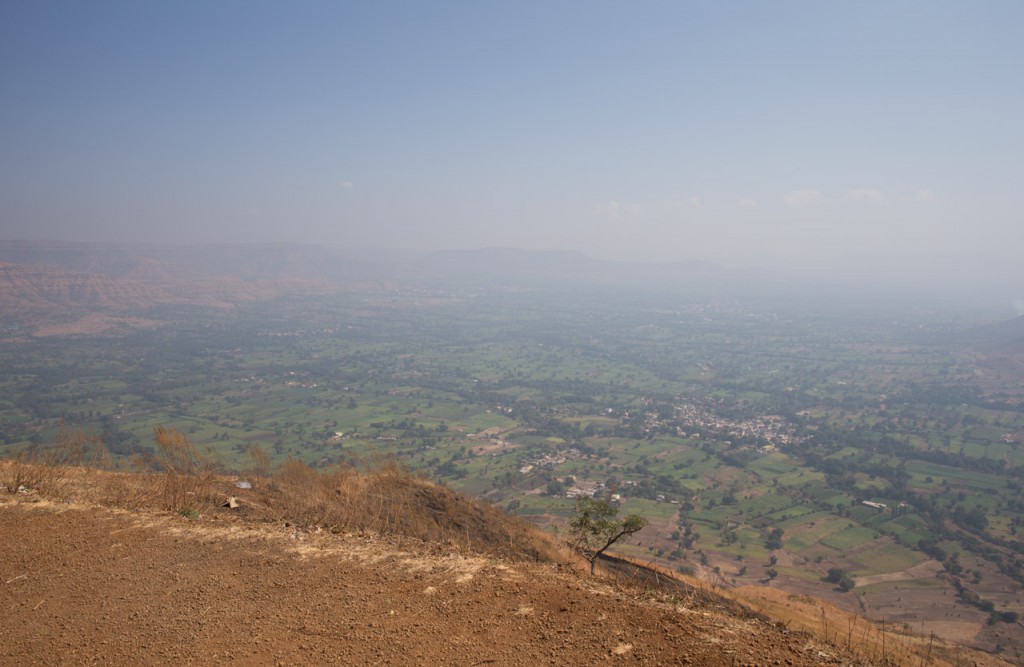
[
  {"x": 173, "y": 264},
  {"x": 90, "y": 287},
  {"x": 42, "y": 282},
  {"x": 167, "y": 265},
  {"x": 52, "y": 280},
  {"x": 33, "y": 287}
]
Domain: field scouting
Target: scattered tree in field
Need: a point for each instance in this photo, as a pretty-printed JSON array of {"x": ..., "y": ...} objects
[
  {"x": 839, "y": 577},
  {"x": 834, "y": 575},
  {"x": 1005, "y": 616},
  {"x": 597, "y": 527}
]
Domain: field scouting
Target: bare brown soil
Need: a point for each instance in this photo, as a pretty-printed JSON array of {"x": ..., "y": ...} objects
[{"x": 82, "y": 585}]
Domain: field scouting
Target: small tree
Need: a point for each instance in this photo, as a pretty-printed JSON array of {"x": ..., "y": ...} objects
[
  {"x": 835, "y": 574},
  {"x": 597, "y": 527},
  {"x": 839, "y": 577}
]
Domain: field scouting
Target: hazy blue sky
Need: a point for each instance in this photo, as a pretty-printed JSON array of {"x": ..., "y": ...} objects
[{"x": 731, "y": 131}]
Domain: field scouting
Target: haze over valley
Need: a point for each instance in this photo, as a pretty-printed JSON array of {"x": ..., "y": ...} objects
[
  {"x": 771, "y": 432},
  {"x": 690, "y": 310}
]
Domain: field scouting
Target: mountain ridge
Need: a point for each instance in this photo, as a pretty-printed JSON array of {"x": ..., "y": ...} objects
[{"x": 44, "y": 284}]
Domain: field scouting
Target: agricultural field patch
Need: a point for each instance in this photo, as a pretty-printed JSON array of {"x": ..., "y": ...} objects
[{"x": 721, "y": 420}]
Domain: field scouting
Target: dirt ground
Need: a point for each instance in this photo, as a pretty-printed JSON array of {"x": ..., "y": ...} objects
[{"x": 86, "y": 585}]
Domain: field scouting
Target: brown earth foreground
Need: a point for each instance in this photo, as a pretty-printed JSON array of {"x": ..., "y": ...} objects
[
  {"x": 83, "y": 582},
  {"x": 91, "y": 585}
]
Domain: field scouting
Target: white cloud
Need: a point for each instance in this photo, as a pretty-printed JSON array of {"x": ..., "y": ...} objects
[
  {"x": 803, "y": 198},
  {"x": 348, "y": 185},
  {"x": 925, "y": 196},
  {"x": 614, "y": 209},
  {"x": 746, "y": 202},
  {"x": 866, "y": 195},
  {"x": 695, "y": 202}
]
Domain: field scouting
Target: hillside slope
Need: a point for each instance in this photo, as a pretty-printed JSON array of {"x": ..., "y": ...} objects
[
  {"x": 178, "y": 564},
  {"x": 84, "y": 584},
  {"x": 124, "y": 569}
]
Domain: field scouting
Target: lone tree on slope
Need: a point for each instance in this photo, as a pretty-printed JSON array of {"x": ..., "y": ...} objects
[{"x": 597, "y": 526}]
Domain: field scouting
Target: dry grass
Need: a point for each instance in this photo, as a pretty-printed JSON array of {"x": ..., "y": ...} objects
[
  {"x": 391, "y": 500},
  {"x": 47, "y": 468},
  {"x": 185, "y": 475},
  {"x": 260, "y": 470},
  {"x": 878, "y": 642},
  {"x": 386, "y": 499}
]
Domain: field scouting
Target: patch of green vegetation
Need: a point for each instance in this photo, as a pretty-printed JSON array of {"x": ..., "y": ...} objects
[{"x": 751, "y": 415}]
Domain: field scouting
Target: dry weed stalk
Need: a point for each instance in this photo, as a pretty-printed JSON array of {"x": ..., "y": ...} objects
[
  {"x": 261, "y": 468},
  {"x": 187, "y": 475}
]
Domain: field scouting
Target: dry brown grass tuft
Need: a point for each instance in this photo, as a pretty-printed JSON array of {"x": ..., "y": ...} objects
[
  {"x": 46, "y": 469},
  {"x": 260, "y": 470},
  {"x": 392, "y": 500},
  {"x": 878, "y": 642},
  {"x": 387, "y": 499},
  {"x": 186, "y": 475}
]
